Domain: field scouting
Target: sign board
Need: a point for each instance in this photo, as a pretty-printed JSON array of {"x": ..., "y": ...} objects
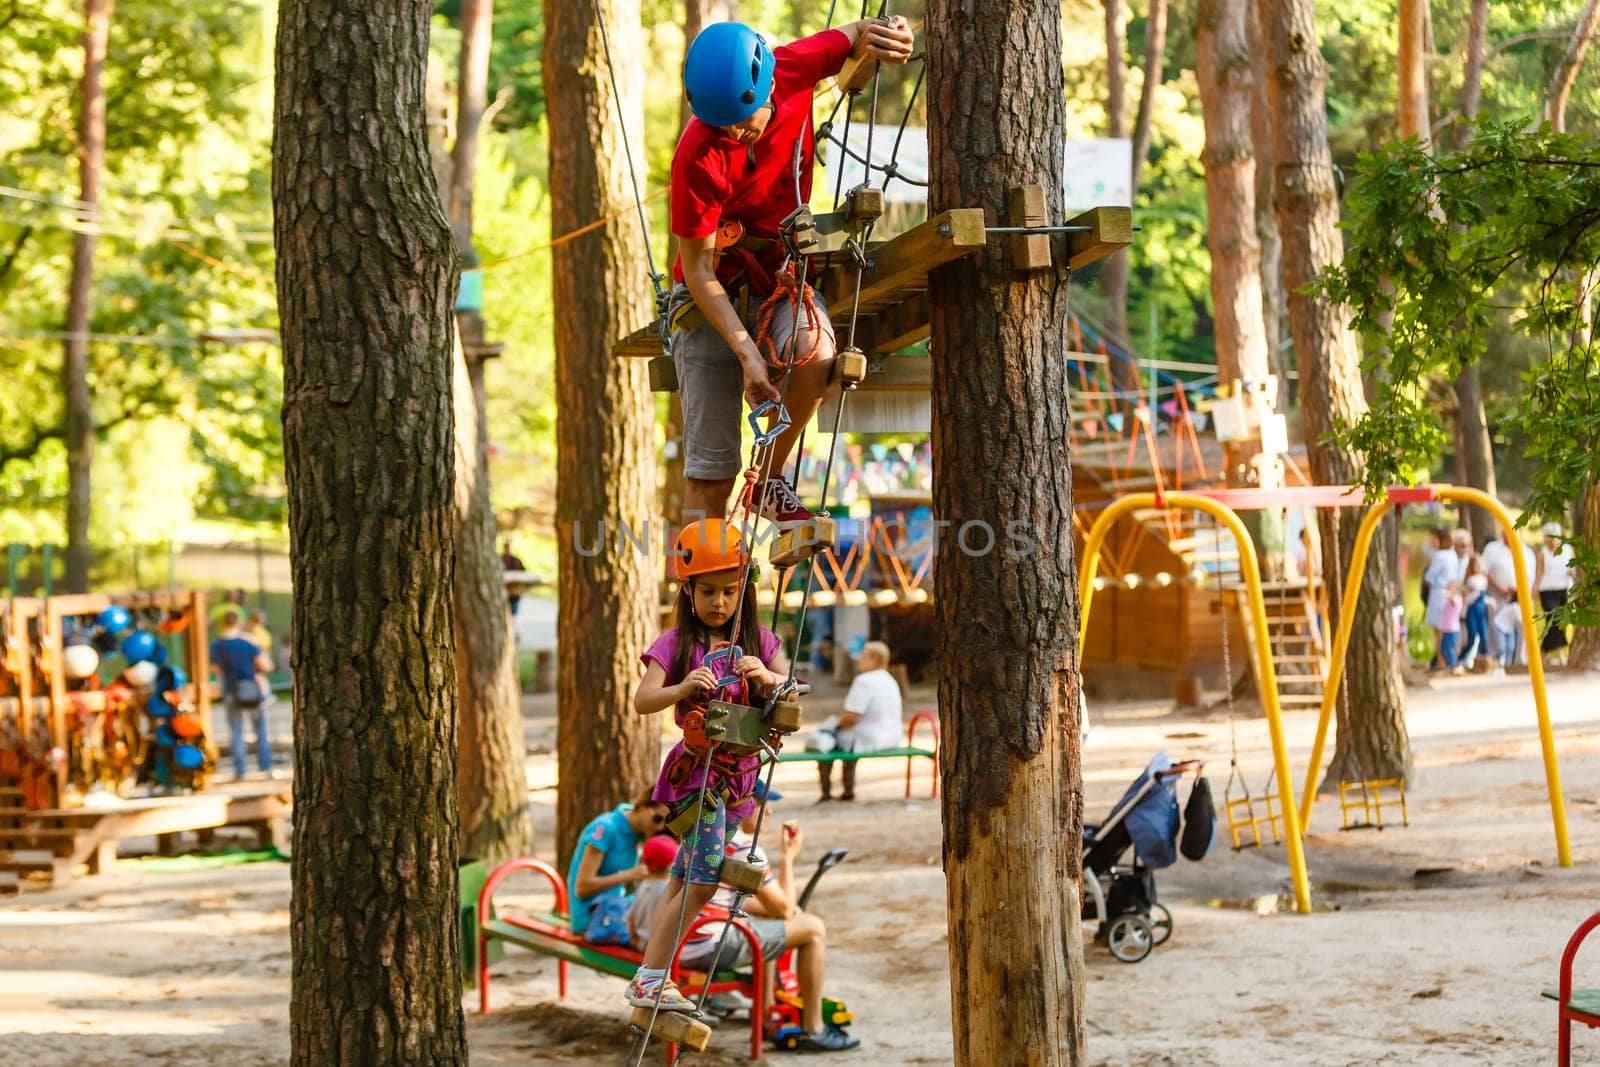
[{"x": 1097, "y": 172}]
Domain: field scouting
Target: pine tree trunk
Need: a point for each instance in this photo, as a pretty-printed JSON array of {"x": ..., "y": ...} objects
[
  {"x": 1566, "y": 72},
  {"x": 1472, "y": 424},
  {"x": 1273, "y": 298},
  {"x": 1584, "y": 655},
  {"x": 605, "y": 464},
  {"x": 1412, "y": 71},
  {"x": 1222, "y": 62},
  {"x": 1372, "y": 740},
  {"x": 366, "y": 279},
  {"x": 492, "y": 776},
  {"x": 1114, "y": 269},
  {"x": 77, "y": 403},
  {"x": 1007, "y": 627},
  {"x": 491, "y": 772}
]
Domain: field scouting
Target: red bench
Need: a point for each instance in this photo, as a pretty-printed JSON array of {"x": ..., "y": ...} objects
[
  {"x": 1577, "y": 1005},
  {"x": 547, "y": 933}
]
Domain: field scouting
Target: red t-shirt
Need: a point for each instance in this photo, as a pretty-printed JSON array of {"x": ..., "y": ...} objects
[{"x": 716, "y": 179}]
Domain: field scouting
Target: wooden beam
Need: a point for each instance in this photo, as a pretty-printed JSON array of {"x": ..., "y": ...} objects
[
  {"x": 1111, "y": 230},
  {"x": 901, "y": 325},
  {"x": 900, "y": 374},
  {"x": 904, "y": 262}
]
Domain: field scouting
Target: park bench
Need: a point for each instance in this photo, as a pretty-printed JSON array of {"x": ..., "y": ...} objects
[
  {"x": 548, "y": 934},
  {"x": 1577, "y": 1005},
  {"x": 908, "y": 753}
]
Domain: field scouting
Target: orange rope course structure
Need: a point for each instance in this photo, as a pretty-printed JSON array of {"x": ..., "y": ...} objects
[{"x": 569, "y": 235}]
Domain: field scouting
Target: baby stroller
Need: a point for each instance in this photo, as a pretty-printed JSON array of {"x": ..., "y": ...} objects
[{"x": 1122, "y": 899}]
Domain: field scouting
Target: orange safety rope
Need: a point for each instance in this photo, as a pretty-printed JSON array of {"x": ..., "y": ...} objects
[{"x": 789, "y": 287}]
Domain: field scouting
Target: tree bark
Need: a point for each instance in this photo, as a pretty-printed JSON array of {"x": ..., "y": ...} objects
[
  {"x": 78, "y": 404},
  {"x": 1222, "y": 62},
  {"x": 1114, "y": 269},
  {"x": 605, "y": 461},
  {"x": 366, "y": 278},
  {"x": 472, "y": 91},
  {"x": 1007, "y": 627},
  {"x": 1273, "y": 298},
  {"x": 492, "y": 777},
  {"x": 1473, "y": 446},
  {"x": 1372, "y": 739},
  {"x": 491, "y": 773},
  {"x": 1412, "y": 71},
  {"x": 1566, "y": 72}
]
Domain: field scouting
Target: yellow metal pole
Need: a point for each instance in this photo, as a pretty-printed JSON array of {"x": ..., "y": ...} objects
[
  {"x": 1341, "y": 647},
  {"x": 1269, "y": 686},
  {"x": 1251, "y": 568},
  {"x": 1541, "y": 702},
  {"x": 1091, "y": 553}
]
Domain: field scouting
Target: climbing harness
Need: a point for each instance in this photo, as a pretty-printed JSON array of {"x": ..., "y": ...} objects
[{"x": 1241, "y": 812}]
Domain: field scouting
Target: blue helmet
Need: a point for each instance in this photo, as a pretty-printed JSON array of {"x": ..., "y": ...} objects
[{"x": 727, "y": 74}]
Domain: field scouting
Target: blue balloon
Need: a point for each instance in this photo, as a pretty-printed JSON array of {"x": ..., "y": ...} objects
[
  {"x": 139, "y": 646},
  {"x": 115, "y": 619},
  {"x": 165, "y": 736},
  {"x": 189, "y": 757}
]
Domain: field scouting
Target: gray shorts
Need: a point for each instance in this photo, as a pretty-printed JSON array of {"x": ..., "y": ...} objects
[
  {"x": 772, "y": 933},
  {"x": 711, "y": 384}
]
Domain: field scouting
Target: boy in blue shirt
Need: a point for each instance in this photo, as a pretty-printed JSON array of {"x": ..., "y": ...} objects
[
  {"x": 237, "y": 659},
  {"x": 607, "y": 856}
]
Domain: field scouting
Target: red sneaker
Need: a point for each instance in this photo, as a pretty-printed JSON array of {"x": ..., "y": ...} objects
[{"x": 779, "y": 505}]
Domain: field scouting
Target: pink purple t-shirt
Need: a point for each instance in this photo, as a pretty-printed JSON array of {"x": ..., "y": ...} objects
[
  {"x": 683, "y": 770},
  {"x": 1452, "y": 614}
]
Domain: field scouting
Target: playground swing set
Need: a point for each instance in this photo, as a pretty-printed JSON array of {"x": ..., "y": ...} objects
[{"x": 1362, "y": 800}]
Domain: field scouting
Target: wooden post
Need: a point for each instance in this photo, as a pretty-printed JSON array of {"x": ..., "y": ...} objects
[
  {"x": 200, "y": 661},
  {"x": 1025, "y": 207},
  {"x": 50, "y": 643}
]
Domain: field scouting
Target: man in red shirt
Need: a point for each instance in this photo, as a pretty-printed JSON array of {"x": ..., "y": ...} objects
[{"x": 734, "y": 170}]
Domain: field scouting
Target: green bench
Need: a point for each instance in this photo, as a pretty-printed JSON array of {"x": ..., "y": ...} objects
[
  {"x": 1577, "y": 1005},
  {"x": 547, "y": 933},
  {"x": 909, "y": 752}
]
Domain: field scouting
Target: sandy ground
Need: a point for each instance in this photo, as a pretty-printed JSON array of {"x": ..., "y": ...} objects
[{"x": 1429, "y": 944}]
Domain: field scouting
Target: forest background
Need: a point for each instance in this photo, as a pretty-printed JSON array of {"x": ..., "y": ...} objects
[{"x": 186, "y": 383}]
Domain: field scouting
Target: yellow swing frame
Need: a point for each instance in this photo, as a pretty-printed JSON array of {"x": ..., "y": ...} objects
[{"x": 1368, "y": 799}]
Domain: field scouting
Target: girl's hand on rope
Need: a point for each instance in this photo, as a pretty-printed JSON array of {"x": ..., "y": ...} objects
[
  {"x": 700, "y": 680},
  {"x": 758, "y": 387},
  {"x": 890, "y": 41},
  {"x": 751, "y": 669}
]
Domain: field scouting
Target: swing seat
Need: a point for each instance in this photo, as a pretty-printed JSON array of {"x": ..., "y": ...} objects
[
  {"x": 1368, "y": 796},
  {"x": 1242, "y": 816}
]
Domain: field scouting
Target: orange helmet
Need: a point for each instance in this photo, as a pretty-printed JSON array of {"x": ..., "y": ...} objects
[{"x": 708, "y": 546}]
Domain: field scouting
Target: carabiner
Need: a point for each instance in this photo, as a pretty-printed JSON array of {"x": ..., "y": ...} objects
[{"x": 766, "y": 437}]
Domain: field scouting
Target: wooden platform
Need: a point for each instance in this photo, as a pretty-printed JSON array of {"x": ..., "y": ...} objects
[
  {"x": 894, "y": 307},
  {"x": 40, "y": 849}
]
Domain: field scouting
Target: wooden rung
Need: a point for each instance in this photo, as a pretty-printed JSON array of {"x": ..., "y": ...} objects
[
  {"x": 742, "y": 874},
  {"x": 1110, "y": 230},
  {"x": 663, "y": 375},
  {"x": 674, "y": 1027},
  {"x": 786, "y": 716},
  {"x": 803, "y": 542},
  {"x": 849, "y": 367}
]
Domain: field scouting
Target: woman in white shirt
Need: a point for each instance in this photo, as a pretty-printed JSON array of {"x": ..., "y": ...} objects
[
  {"x": 1553, "y": 578},
  {"x": 871, "y": 719}
]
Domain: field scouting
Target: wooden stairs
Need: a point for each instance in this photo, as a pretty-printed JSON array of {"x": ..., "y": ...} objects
[{"x": 1299, "y": 647}]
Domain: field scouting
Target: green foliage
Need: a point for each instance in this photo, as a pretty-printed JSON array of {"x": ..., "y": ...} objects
[{"x": 1438, "y": 249}]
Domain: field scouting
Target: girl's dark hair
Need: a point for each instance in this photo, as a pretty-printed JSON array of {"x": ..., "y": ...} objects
[{"x": 693, "y": 632}]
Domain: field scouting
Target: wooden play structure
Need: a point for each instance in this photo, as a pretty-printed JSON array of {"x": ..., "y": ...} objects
[{"x": 65, "y": 741}]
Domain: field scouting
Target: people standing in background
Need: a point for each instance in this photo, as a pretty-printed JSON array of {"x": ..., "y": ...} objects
[
  {"x": 1553, "y": 580},
  {"x": 1450, "y": 626},
  {"x": 1448, "y": 567},
  {"x": 510, "y": 561},
  {"x": 1475, "y": 618},
  {"x": 256, "y": 630},
  {"x": 1499, "y": 566},
  {"x": 239, "y": 663},
  {"x": 1438, "y": 541},
  {"x": 1508, "y": 635}
]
